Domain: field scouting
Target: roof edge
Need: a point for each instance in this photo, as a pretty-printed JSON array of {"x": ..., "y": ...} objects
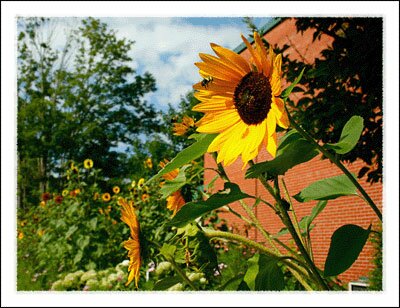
[{"x": 264, "y": 29}]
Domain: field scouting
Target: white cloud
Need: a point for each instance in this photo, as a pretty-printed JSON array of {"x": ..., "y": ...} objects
[{"x": 168, "y": 49}]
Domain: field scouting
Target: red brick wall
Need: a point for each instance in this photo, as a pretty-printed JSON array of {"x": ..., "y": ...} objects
[{"x": 344, "y": 210}]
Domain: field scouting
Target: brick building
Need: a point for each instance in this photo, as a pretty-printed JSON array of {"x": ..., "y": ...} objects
[{"x": 338, "y": 212}]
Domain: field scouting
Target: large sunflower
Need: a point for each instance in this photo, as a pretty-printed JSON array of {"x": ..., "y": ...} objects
[
  {"x": 241, "y": 101},
  {"x": 129, "y": 217}
]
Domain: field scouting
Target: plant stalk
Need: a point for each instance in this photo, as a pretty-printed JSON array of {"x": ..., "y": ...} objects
[{"x": 337, "y": 163}]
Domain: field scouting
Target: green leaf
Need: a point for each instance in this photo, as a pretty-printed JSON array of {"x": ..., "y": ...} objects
[
  {"x": 232, "y": 284},
  {"x": 346, "y": 244},
  {"x": 172, "y": 186},
  {"x": 264, "y": 274},
  {"x": 315, "y": 211},
  {"x": 168, "y": 251},
  {"x": 192, "y": 210},
  {"x": 289, "y": 89},
  {"x": 70, "y": 231},
  {"x": 293, "y": 150},
  {"x": 350, "y": 135},
  {"x": 83, "y": 241},
  {"x": 93, "y": 223},
  {"x": 192, "y": 152},
  {"x": 78, "y": 256},
  {"x": 166, "y": 283},
  {"x": 326, "y": 189}
]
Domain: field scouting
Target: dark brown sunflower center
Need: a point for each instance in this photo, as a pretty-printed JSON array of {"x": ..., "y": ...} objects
[{"x": 252, "y": 98}]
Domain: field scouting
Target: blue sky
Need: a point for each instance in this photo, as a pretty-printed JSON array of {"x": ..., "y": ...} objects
[{"x": 168, "y": 47}]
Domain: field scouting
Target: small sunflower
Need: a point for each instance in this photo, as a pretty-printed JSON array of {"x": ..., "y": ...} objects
[
  {"x": 141, "y": 183},
  {"x": 88, "y": 164},
  {"x": 20, "y": 235},
  {"x": 241, "y": 101},
  {"x": 116, "y": 190},
  {"x": 129, "y": 217},
  {"x": 145, "y": 197},
  {"x": 96, "y": 196},
  {"x": 133, "y": 184},
  {"x": 106, "y": 197},
  {"x": 180, "y": 129},
  {"x": 65, "y": 192},
  {"x": 148, "y": 163},
  {"x": 42, "y": 204},
  {"x": 72, "y": 193}
]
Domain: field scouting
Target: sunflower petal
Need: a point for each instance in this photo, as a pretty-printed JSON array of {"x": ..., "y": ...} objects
[
  {"x": 213, "y": 105},
  {"x": 235, "y": 59},
  {"x": 217, "y": 122},
  {"x": 223, "y": 64},
  {"x": 216, "y": 71},
  {"x": 254, "y": 139},
  {"x": 272, "y": 144},
  {"x": 266, "y": 67},
  {"x": 254, "y": 55}
]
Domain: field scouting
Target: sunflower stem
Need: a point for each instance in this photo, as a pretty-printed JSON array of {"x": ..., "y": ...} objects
[
  {"x": 182, "y": 274},
  {"x": 297, "y": 271},
  {"x": 338, "y": 163},
  {"x": 210, "y": 233},
  {"x": 296, "y": 222},
  {"x": 288, "y": 223},
  {"x": 249, "y": 212}
]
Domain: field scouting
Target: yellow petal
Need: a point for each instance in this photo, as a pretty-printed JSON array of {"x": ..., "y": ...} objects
[
  {"x": 254, "y": 139},
  {"x": 276, "y": 76},
  {"x": 221, "y": 63},
  {"x": 214, "y": 105},
  {"x": 254, "y": 55},
  {"x": 217, "y": 122},
  {"x": 272, "y": 144},
  {"x": 218, "y": 142},
  {"x": 231, "y": 56},
  {"x": 266, "y": 68},
  {"x": 271, "y": 123},
  {"x": 234, "y": 144},
  {"x": 216, "y": 71}
]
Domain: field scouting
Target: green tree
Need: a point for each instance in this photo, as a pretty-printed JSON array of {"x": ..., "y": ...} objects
[
  {"x": 345, "y": 81},
  {"x": 82, "y": 101}
]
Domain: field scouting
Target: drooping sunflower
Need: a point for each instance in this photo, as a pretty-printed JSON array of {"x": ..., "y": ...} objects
[
  {"x": 106, "y": 197},
  {"x": 175, "y": 201},
  {"x": 241, "y": 101},
  {"x": 88, "y": 163},
  {"x": 129, "y": 217}
]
